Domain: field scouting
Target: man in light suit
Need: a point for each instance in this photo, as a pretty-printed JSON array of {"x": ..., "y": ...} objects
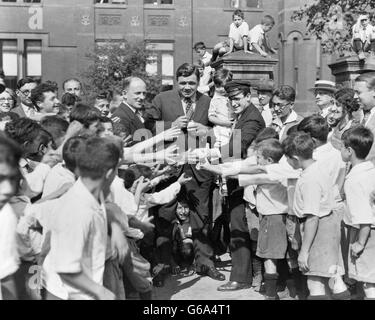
[
  {"x": 364, "y": 87},
  {"x": 186, "y": 109},
  {"x": 130, "y": 111}
]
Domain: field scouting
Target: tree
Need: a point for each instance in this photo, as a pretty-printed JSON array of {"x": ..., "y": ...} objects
[
  {"x": 332, "y": 21},
  {"x": 112, "y": 62}
]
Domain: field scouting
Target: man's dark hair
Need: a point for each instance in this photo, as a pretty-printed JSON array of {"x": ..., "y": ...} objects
[
  {"x": 268, "y": 21},
  {"x": 97, "y": 157},
  {"x": 360, "y": 139},
  {"x": 55, "y": 125},
  {"x": 222, "y": 76},
  {"x": 199, "y": 45},
  {"x": 271, "y": 148},
  {"x": 84, "y": 114},
  {"x": 186, "y": 70},
  {"x": 285, "y": 93},
  {"x": 24, "y": 81},
  {"x": 70, "y": 151},
  {"x": 37, "y": 94},
  {"x": 369, "y": 78},
  {"x": 299, "y": 144},
  {"x": 316, "y": 126}
]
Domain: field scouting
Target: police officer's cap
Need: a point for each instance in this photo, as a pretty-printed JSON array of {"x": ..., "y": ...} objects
[{"x": 236, "y": 87}]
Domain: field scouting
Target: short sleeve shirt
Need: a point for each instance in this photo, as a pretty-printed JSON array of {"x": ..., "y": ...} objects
[
  {"x": 256, "y": 35},
  {"x": 359, "y": 184},
  {"x": 237, "y": 33},
  {"x": 313, "y": 194}
]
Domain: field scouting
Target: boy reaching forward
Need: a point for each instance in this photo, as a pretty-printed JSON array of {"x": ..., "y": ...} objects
[{"x": 79, "y": 233}]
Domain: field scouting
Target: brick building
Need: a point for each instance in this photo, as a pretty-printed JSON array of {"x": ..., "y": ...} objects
[{"x": 51, "y": 37}]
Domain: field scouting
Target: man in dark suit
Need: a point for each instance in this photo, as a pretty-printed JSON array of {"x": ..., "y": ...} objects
[
  {"x": 130, "y": 112},
  {"x": 26, "y": 108},
  {"x": 248, "y": 123},
  {"x": 186, "y": 109}
]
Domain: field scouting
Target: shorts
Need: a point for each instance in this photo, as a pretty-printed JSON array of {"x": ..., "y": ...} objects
[
  {"x": 252, "y": 217},
  {"x": 325, "y": 258},
  {"x": 362, "y": 268},
  {"x": 272, "y": 240}
]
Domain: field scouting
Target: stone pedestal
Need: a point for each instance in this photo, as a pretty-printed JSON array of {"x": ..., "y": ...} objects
[
  {"x": 346, "y": 69},
  {"x": 246, "y": 66}
]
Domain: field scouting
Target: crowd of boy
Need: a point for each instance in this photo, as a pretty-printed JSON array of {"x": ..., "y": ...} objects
[{"x": 106, "y": 201}]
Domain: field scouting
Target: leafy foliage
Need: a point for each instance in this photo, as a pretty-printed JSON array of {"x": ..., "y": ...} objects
[
  {"x": 113, "y": 61},
  {"x": 332, "y": 21}
]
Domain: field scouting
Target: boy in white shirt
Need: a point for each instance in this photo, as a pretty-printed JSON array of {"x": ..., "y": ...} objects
[
  {"x": 79, "y": 234},
  {"x": 363, "y": 37},
  {"x": 237, "y": 38},
  {"x": 258, "y": 41},
  {"x": 204, "y": 55},
  {"x": 360, "y": 217},
  {"x": 10, "y": 155}
]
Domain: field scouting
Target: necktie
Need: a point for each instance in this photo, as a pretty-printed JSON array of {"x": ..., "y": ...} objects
[
  {"x": 139, "y": 115},
  {"x": 189, "y": 111}
]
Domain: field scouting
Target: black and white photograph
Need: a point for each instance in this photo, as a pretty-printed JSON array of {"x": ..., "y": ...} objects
[{"x": 204, "y": 151}]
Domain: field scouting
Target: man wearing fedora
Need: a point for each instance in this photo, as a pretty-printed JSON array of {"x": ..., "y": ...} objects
[{"x": 324, "y": 92}]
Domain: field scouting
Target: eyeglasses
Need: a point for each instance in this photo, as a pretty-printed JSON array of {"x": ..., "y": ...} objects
[
  {"x": 3, "y": 100},
  {"x": 280, "y": 105},
  {"x": 25, "y": 92}
]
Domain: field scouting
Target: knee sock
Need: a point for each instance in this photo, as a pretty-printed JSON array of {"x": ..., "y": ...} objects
[
  {"x": 345, "y": 295},
  {"x": 321, "y": 297},
  {"x": 373, "y": 46},
  {"x": 283, "y": 271},
  {"x": 300, "y": 282},
  {"x": 270, "y": 281},
  {"x": 357, "y": 45},
  {"x": 257, "y": 272}
]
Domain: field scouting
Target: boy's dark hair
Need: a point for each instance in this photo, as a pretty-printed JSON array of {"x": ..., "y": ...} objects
[
  {"x": 70, "y": 151},
  {"x": 10, "y": 151},
  {"x": 292, "y": 130},
  {"x": 222, "y": 76},
  {"x": 271, "y": 148},
  {"x": 299, "y": 144},
  {"x": 37, "y": 94},
  {"x": 53, "y": 84},
  {"x": 238, "y": 13},
  {"x": 84, "y": 114},
  {"x": 26, "y": 130},
  {"x": 316, "y": 126},
  {"x": 268, "y": 21},
  {"x": 285, "y": 93},
  {"x": 119, "y": 129},
  {"x": 345, "y": 97},
  {"x": 55, "y": 125},
  {"x": 97, "y": 157},
  {"x": 13, "y": 116},
  {"x": 103, "y": 119},
  {"x": 369, "y": 78},
  {"x": 265, "y": 134},
  {"x": 186, "y": 70},
  {"x": 62, "y": 110},
  {"x": 199, "y": 45},
  {"x": 360, "y": 139},
  {"x": 69, "y": 99},
  {"x": 128, "y": 175},
  {"x": 24, "y": 81}
]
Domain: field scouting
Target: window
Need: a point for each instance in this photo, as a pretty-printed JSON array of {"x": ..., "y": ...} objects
[
  {"x": 111, "y": 2},
  {"x": 161, "y": 61},
  {"x": 158, "y": 2},
  {"x": 23, "y": 1},
  {"x": 20, "y": 58},
  {"x": 244, "y": 4}
]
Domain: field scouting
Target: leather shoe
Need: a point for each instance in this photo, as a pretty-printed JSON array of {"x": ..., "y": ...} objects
[
  {"x": 212, "y": 272},
  {"x": 233, "y": 286}
]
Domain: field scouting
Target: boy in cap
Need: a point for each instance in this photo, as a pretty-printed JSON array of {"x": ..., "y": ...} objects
[{"x": 324, "y": 92}]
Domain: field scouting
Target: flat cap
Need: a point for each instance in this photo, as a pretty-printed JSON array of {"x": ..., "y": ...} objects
[
  {"x": 265, "y": 86},
  {"x": 237, "y": 86}
]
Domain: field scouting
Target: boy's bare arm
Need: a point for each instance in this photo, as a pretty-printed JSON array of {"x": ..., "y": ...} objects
[
  {"x": 224, "y": 123},
  {"x": 358, "y": 247},
  {"x": 83, "y": 283},
  {"x": 310, "y": 229},
  {"x": 255, "y": 179},
  {"x": 260, "y": 50}
]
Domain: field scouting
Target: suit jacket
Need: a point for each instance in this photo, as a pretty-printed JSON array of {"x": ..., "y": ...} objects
[
  {"x": 128, "y": 118},
  {"x": 19, "y": 110},
  {"x": 371, "y": 125},
  {"x": 167, "y": 107},
  {"x": 248, "y": 126}
]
